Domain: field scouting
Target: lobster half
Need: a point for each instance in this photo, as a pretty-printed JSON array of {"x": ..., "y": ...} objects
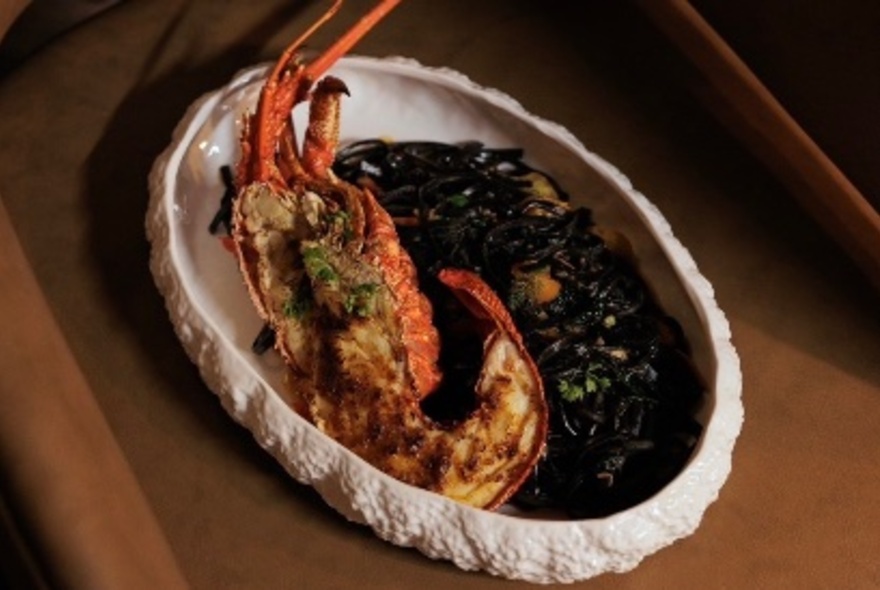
[{"x": 325, "y": 269}]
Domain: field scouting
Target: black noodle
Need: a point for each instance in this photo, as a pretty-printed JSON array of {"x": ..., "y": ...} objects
[{"x": 621, "y": 389}]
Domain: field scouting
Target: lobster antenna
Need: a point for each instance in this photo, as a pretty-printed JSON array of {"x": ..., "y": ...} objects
[
  {"x": 349, "y": 39},
  {"x": 291, "y": 50}
]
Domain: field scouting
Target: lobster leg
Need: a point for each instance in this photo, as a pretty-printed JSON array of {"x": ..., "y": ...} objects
[{"x": 322, "y": 134}]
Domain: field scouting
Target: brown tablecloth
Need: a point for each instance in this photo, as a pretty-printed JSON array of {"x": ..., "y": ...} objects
[{"x": 82, "y": 122}]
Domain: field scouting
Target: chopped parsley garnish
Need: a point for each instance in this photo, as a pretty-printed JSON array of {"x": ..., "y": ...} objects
[
  {"x": 317, "y": 265},
  {"x": 361, "y": 301},
  {"x": 458, "y": 200},
  {"x": 571, "y": 392},
  {"x": 593, "y": 382}
]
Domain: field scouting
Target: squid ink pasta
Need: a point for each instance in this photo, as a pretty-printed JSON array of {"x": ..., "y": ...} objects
[{"x": 619, "y": 383}]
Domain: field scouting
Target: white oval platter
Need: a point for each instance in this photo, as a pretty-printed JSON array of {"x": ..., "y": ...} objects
[{"x": 215, "y": 321}]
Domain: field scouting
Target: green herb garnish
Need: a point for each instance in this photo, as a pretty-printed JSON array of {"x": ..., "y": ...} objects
[
  {"x": 571, "y": 392},
  {"x": 458, "y": 200},
  {"x": 593, "y": 382},
  {"x": 317, "y": 265},
  {"x": 361, "y": 301}
]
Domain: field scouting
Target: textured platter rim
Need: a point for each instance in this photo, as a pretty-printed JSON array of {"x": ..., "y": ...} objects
[{"x": 534, "y": 550}]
